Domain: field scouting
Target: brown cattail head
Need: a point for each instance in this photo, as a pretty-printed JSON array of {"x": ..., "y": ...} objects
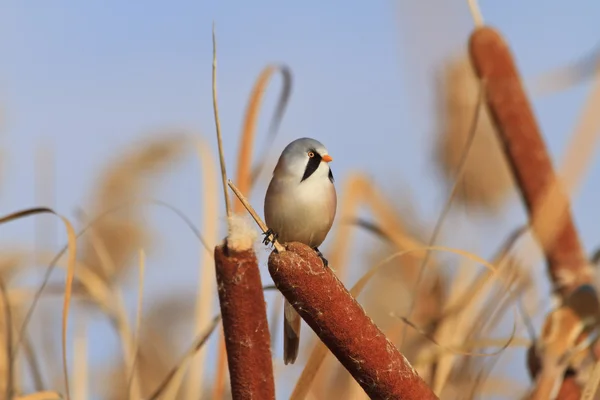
[
  {"x": 245, "y": 324},
  {"x": 533, "y": 361},
  {"x": 521, "y": 138},
  {"x": 569, "y": 390},
  {"x": 486, "y": 179},
  {"x": 341, "y": 323}
]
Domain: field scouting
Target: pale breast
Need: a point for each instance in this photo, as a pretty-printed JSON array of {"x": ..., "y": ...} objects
[{"x": 301, "y": 212}]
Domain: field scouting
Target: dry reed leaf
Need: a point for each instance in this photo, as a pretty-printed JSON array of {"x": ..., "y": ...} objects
[
  {"x": 182, "y": 364},
  {"x": 499, "y": 387},
  {"x": 245, "y": 178},
  {"x": 106, "y": 298},
  {"x": 10, "y": 262},
  {"x": 122, "y": 183},
  {"x": 133, "y": 382},
  {"x": 490, "y": 319},
  {"x": 448, "y": 330},
  {"x": 513, "y": 276},
  {"x": 3, "y": 156},
  {"x": 206, "y": 294},
  {"x": 472, "y": 373},
  {"x": 396, "y": 283},
  {"x": 320, "y": 351},
  {"x": 486, "y": 181},
  {"x": 33, "y": 364},
  {"x": 157, "y": 348},
  {"x": 359, "y": 190},
  {"x": 109, "y": 300},
  {"x": 113, "y": 303},
  {"x": 591, "y": 387},
  {"x": 80, "y": 361},
  {"x": 46, "y": 350},
  {"x": 7, "y": 365},
  {"x": 40, "y": 359},
  {"x": 501, "y": 259},
  {"x": 44, "y": 395},
  {"x": 585, "y": 137},
  {"x": 384, "y": 300},
  {"x": 428, "y": 357},
  {"x": 162, "y": 320},
  {"x": 71, "y": 262},
  {"x": 468, "y": 312},
  {"x": 460, "y": 370},
  {"x": 572, "y": 74}
]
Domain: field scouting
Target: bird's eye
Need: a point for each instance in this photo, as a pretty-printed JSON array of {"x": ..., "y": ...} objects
[{"x": 311, "y": 154}]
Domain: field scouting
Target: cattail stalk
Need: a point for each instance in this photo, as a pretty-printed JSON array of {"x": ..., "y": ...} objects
[{"x": 545, "y": 198}]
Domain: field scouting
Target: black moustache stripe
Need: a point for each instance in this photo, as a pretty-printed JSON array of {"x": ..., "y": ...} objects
[
  {"x": 311, "y": 166},
  {"x": 331, "y": 176}
]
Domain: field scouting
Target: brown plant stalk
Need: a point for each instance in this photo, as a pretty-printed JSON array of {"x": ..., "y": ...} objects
[
  {"x": 544, "y": 197},
  {"x": 341, "y": 323},
  {"x": 245, "y": 326}
]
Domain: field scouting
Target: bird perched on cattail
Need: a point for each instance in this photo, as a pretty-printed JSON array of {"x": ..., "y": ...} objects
[{"x": 300, "y": 206}]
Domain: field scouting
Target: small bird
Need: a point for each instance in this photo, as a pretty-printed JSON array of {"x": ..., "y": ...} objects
[{"x": 300, "y": 206}]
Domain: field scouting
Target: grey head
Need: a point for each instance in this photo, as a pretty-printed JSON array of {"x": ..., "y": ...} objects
[{"x": 302, "y": 159}]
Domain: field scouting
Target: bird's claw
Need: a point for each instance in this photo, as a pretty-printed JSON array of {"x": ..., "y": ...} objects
[
  {"x": 325, "y": 262},
  {"x": 270, "y": 237}
]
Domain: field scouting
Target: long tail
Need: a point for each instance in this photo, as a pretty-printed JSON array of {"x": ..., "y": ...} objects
[{"x": 291, "y": 333}]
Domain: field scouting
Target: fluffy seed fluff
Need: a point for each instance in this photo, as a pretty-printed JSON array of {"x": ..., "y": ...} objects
[
  {"x": 486, "y": 181},
  {"x": 242, "y": 233}
]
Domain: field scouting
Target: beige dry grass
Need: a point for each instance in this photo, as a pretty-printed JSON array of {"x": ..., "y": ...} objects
[{"x": 157, "y": 347}]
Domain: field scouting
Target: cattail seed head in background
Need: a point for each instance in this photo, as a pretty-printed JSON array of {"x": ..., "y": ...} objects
[
  {"x": 118, "y": 235},
  {"x": 486, "y": 181}
]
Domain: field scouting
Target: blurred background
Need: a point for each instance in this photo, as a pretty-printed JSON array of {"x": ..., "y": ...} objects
[{"x": 105, "y": 103}]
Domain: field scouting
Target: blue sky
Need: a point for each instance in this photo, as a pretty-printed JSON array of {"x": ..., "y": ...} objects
[{"x": 93, "y": 77}]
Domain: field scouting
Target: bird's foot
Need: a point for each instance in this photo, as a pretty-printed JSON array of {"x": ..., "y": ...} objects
[
  {"x": 325, "y": 262},
  {"x": 270, "y": 237}
]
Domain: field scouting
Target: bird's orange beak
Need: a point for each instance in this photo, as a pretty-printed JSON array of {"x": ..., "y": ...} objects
[{"x": 327, "y": 158}]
